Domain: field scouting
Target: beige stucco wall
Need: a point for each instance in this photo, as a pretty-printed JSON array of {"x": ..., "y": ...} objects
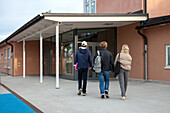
[
  {"x": 157, "y": 8},
  {"x": 118, "y": 6}
]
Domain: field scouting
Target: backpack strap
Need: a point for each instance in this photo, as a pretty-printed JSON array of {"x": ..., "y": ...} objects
[{"x": 98, "y": 53}]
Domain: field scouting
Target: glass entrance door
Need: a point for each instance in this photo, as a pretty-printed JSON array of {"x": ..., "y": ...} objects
[
  {"x": 49, "y": 56},
  {"x": 92, "y": 47}
]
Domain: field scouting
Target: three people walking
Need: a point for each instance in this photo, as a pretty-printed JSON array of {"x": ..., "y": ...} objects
[{"x": 84, "y": 59}]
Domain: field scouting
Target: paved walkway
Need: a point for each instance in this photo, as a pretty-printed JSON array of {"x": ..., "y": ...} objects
[{"x": 141, "y": 97}]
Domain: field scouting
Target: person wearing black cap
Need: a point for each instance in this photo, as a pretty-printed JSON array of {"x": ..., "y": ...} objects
[{"x": 84, "y": 60}]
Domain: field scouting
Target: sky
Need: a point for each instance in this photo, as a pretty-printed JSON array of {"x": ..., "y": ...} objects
[{"x": 15, "y": 13}]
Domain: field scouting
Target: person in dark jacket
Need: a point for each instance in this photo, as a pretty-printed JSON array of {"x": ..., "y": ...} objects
[
  {"x": 84, "y": 60},
  {"x": 107, "y": 62}
]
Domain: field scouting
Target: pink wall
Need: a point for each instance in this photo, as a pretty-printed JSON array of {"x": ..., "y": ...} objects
[
  {"x": 118, "y": 6},
  {"x": 128, "y": 35},
  {"x": 32, "y": 56},
  {"x": 32, "y": 59},
  {"x": 157, "y": 8},
  {"x": 158, "y": 38},
  {"x": 18, "y": 58}
]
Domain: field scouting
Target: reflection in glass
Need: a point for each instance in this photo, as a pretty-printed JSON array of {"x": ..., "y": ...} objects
[{"x": 68, "y": 56}]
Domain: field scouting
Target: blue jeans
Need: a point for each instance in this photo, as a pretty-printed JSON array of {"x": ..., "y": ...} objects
[{"x": 104, "y": 77}]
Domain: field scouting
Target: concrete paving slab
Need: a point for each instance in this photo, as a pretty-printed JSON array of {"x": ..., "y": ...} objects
[
  {"x": 3, "y": 90},
  {"x": 142, "y": 97}
]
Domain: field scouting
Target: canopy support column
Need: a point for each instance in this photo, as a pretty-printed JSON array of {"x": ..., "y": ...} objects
[
  {"x": 23, "y": 58},
  {"x": 41, "y": 58},
  {"x": 57, "y": 56}
]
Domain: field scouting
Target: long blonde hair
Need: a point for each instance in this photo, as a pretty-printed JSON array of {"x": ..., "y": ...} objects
[{"x": 125, "y": 48}]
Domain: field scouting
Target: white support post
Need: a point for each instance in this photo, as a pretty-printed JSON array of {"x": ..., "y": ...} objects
[
  {"x": 23, "y": 58},
  {"x": 41, "y": 58},
  {"x": 57, "y": 56}
]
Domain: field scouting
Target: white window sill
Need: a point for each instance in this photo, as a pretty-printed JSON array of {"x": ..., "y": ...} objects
[{"x": 167, "y": 67}]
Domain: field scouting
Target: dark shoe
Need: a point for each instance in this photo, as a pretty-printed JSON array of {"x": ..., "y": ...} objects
[
  {"x": 102, "y": 96},
  {"x": 106, "y": 94},
  {"x": 79, "y": 93},
  {"x": 84, "y": 94}
]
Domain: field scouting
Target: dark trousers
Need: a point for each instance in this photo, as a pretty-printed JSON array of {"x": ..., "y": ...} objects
[{"x": 82, "y": 74}]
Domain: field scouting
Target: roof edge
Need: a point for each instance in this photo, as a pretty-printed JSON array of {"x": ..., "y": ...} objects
[
  {"x": 92, "y": 14},
  {"x": 155, "y": 21},
  {"x": 25, "y": 26}
]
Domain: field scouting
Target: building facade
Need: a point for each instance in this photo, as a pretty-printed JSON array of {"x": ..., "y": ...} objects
[
  {"x": 156, "y": 32},
  {"x": 150, "y": 51}
]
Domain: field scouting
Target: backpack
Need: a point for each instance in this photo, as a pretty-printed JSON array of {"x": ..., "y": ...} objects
[{"x": 97, "y": 63}]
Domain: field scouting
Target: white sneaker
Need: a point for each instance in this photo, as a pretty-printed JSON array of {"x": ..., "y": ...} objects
[
  {"x": 84, "y": 94},
  {"x": 123, "y": 98},
  {"x": 79, "y": 93}
]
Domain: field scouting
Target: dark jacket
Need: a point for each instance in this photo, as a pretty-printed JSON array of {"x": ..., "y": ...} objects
[
  {"x": 107, "y": 59},
  {"x": 84, "y": 58}
]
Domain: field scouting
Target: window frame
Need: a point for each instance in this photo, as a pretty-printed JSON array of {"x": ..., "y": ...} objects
[
  {"x": 93, "y": 1},
  {"x": 5, "y": 59},
  {"x": 166, "y": 57},
  {"x": 89, "y": 5},
  {"x": 9, "y": 58},
  {"x": 0, "y": 59}
]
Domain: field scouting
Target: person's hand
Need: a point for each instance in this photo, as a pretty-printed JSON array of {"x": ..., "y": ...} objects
[
  {"x": 89, "y": 68},
  {"x": 76, "y": 69}
]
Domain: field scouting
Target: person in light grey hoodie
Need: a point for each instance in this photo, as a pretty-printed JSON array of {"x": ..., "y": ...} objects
[{"x": 125, "y": 66}]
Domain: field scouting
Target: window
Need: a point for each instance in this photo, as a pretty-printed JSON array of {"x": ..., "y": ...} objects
[
  {"x": 5, "y": 63},
  {"x": 0, "y": 59},
  {"x": 93, "y": 6},
  {"x": 89, "y": 6},
  {"x": 167, "y": 56},
  {"x": 9, "y": 57}
]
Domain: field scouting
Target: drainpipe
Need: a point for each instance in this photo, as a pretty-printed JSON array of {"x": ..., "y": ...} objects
[
  {"x": 145, "y": 6},
  {"x": 12, "y": 58},
  {"x": 145, "y": 52}
]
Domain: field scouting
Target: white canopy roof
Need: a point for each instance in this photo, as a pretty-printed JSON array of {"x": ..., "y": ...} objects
[{"x": 46, "y": 23}]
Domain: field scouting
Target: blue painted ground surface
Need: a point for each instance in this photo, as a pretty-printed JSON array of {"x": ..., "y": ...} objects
[{"x": 11, "y": 104}]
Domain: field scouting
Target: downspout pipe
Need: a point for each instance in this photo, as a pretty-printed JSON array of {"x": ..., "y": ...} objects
[
  {"x": 145, "y": 52},
  {"x": 145, "y": 6},
  {"x": 12, "y": 58}
]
